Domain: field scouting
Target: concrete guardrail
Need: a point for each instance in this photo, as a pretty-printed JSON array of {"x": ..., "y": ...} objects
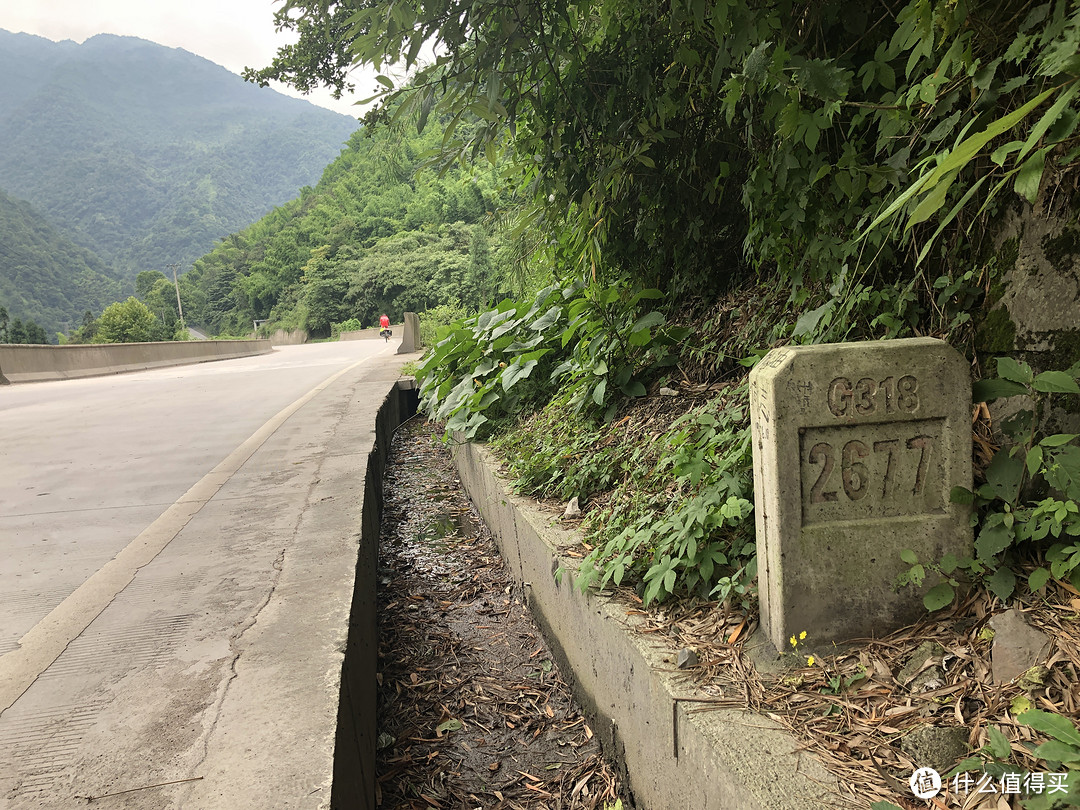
[{"x": 29, "y": 363}]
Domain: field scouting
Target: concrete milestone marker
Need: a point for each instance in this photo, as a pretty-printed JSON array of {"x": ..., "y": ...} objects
[{"x": 856, "y": 447}]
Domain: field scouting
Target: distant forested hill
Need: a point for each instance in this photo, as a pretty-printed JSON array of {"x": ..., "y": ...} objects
[
  {"x": 148, "y": 155},
  {"x": 379, "y": 233},
  {"x": 44, "y": 277}
]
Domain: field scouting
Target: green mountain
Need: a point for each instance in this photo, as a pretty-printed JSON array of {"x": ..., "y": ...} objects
[
  {"x": 148, "y": 155},
  {"x": 378, "y": 233},
  {"x": 44, "y": 276}
]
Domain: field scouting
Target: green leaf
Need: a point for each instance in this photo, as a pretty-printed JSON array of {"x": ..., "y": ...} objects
[
  {"x": 998, "y": 743},
  {"x": 1048, "y": 118},
  {"x": 1029, "y": 178},
  {"x": 941, "y": 595},
  {"x": 989, "y": 390},
  {"x": 1057, "y": 751},
  {"x": 648, "y": 321},
  {"x": 884, "y": 806},
  {"x": 1058, "y": 439},
  {"x": 1055, "y": 382},
  {"x": 931, "y": 201},
  {"x": 1038, "y": 578},
  {"x": 547, "y": 319},
  {"x": 1004, "y": 475},
  {"x": 633, "y": 389},
  {"x": 448, "y": 725},
  {"x": 809, "y": 320},
  {"x": 1002, "y": 583},
  {"x": 599, "y": 391},
  {"x": 1010, "y": 369},
  {"x": 961, "y": 495},
  {"x": 992, "y": 541},
  {"x": 909, "y": 556},
  {"x": 1034, "y": 460},
  {"x": 1058, "y": 727},
  {"x": 514, "y": 373}
]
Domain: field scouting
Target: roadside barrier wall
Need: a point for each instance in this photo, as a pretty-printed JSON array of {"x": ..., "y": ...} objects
[
  {"x": 677, "y": 747},
  {"x": 354, "y": 752},
  {"x": 23, "y": 363},
  {"x": 292, "y": 337}
]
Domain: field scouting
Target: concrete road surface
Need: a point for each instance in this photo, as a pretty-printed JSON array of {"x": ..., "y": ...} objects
[{"x": 159, "y": 532}]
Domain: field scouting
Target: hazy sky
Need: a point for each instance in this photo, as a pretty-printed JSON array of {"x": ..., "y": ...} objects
[{"x": 233, "y": 33}]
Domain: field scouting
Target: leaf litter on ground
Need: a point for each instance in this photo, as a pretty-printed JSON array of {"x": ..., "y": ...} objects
[{"x": 473, "y": 711}]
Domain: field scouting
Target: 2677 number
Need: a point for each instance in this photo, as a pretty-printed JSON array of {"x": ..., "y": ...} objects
[
  {"x": 866, "y": 396},
  {"x": 855, "y": 476}
]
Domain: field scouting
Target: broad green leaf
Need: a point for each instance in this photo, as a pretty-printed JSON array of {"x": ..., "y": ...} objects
[
  {"x": 1058, "y": 439},
  {"x": 1004, "y": 474},
  {"x": 1010, "y": 369},
  {"x": 547, "y": 319},
  {"x": 633, "y": 389},
  {"x": 808, "y": 321},
  {"x": 514, "y": 373},
  {"x": 998, "y": 743},
  {"x": 992, "y": 541},
  {"x": 1055, "y": 382},
  {"x": 961, "y": 495},
  {"x": 1034, "y": 459},
  {"x": 1058, "y": 727},
  {"x": 1057, "y": 751},
  {"x": 1002, "y": 152},
  {"x": 648, "y": 321},
  {"x": 941, "y": 595},
  {"x": 909, "y": 556},
  {"x": 1002, "y": 583},
  {"x": 1029, "y": 178},
  {"x": 1038, "y": 578},
  {"x": 989, "y": 390},
  {"x": 599, "y": 391},
  {"x": 650, "y": 293}
]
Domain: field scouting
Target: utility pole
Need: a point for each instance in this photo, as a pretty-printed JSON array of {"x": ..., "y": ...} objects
[{"x": 176, "y": 284}]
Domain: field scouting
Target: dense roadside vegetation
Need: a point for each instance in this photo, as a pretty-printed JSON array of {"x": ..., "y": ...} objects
[
  {"x": 705, "y": 180},
  {"x": 840, "y": 170},
  {"x": 380, "y": 232}
]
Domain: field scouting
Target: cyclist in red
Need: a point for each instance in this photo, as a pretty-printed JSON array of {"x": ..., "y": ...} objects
[{"x": 384, "y": 322}]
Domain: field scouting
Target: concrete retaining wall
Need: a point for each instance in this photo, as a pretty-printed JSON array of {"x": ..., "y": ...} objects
[
  {"x": 294, "y": 337},
  {"x": 371, "y": 333},
  {"x": 674, "y": 754},
  {"x": 360, "y": 334},
  {"x": 354, "y": 752},
  {"x": 22, "y": 363}
]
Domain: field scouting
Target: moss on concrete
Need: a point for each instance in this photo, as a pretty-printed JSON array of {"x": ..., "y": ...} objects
[
  {"x": 1008, "y": 254},
  {"x": 996, "y": 333},
  {"x": 1066, "y": 350},
  {"x": 1064, "y": 246}
]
